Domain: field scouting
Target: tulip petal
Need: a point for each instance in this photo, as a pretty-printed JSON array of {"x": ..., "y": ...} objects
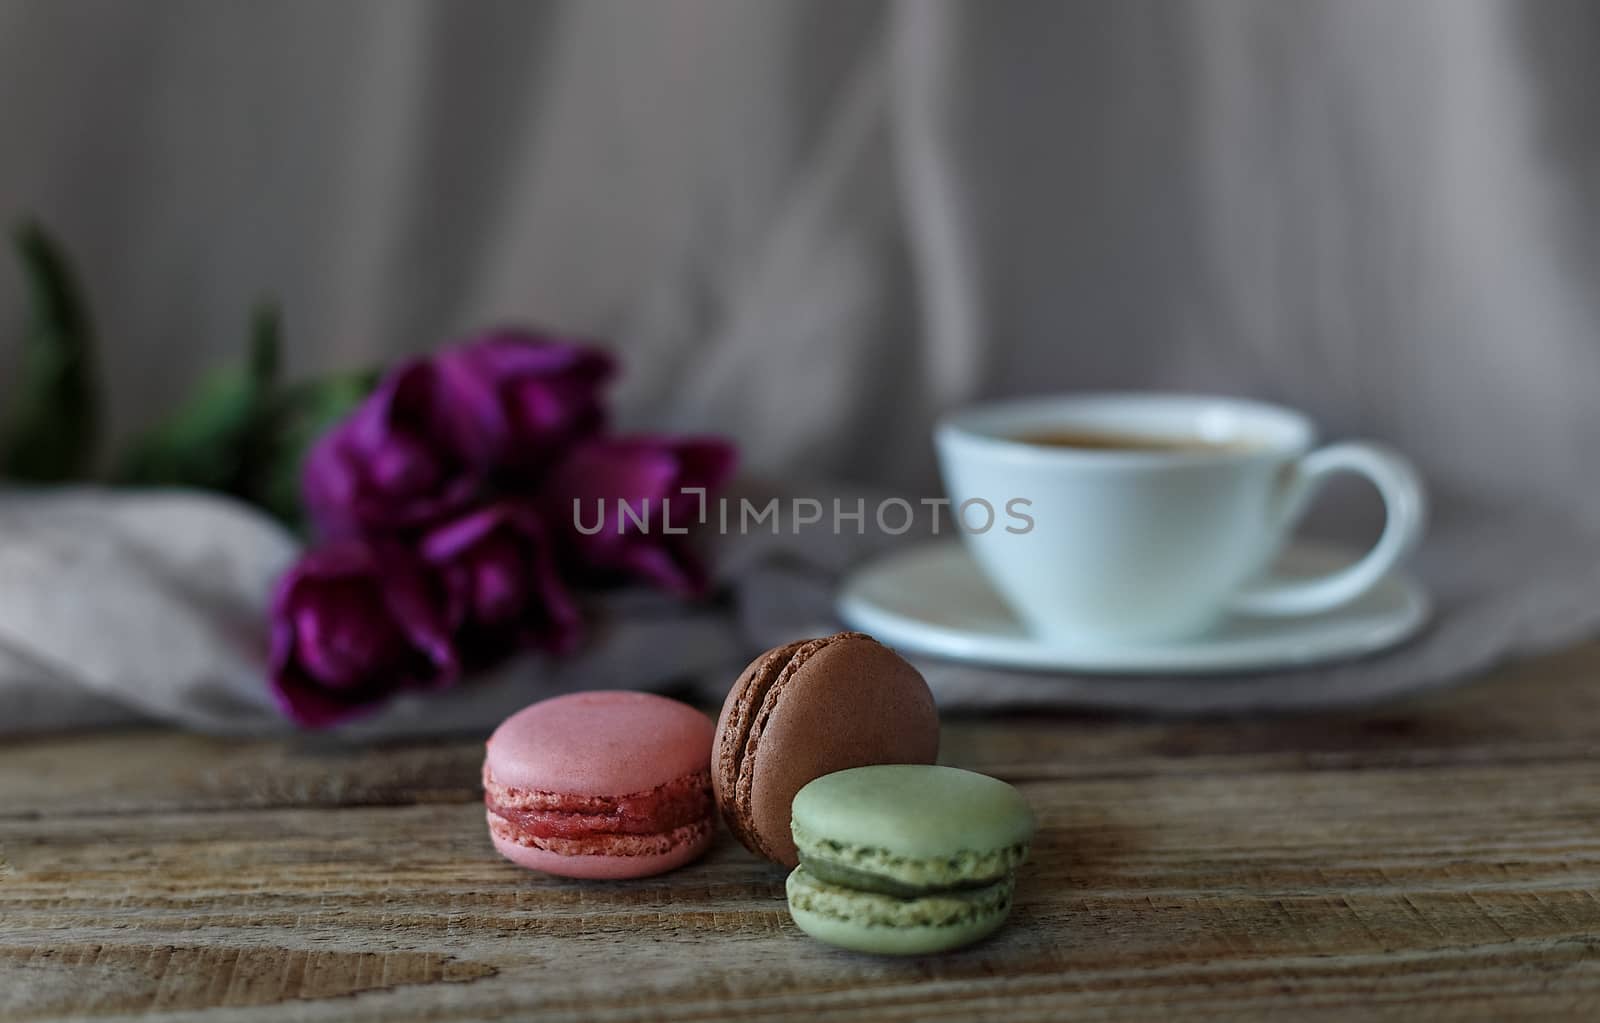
[
  {"x": 504, "y": 591},
  {"x": 352, "y": 626}
]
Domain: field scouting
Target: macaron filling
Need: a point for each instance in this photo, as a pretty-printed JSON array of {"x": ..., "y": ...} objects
[
  {"x": 873, "y": 869},
  {"x": 636, "y": 823},
  {"x": 689, "y": 837},
  {"x": 954, "y": 908}
]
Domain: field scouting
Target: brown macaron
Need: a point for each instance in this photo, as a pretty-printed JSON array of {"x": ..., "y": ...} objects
[{"x": 808, "y": 709}]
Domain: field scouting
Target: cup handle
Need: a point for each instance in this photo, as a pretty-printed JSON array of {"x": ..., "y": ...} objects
[{"x": 1405, "y": 502}]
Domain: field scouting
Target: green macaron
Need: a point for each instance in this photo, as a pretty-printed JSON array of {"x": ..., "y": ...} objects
[{"x": 905, "y": 859}]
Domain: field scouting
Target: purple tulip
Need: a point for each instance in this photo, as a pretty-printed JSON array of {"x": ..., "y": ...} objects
[
  {"x": 620, "y": 504},
  {"x": 401, "y": 460},
  {"x": 527, "y": 397},
  {"x": 352, "y": 624},
  {"x": 437, "y": 433},
  {"x": 502, "y": 588}
]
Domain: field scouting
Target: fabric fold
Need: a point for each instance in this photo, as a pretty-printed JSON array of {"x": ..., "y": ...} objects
[{"x": 122, "y": 607}]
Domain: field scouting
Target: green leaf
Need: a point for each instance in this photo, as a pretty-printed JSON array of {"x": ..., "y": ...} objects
[
  {"x": 212, "y": 440},
  {"x": 243, "y": 432},
  {"x": 50, "y": 435},
  {"x": 301, "y": 414}
]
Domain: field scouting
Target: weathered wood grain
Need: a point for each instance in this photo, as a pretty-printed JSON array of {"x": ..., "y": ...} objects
[{"x": 1434, "y": 860}]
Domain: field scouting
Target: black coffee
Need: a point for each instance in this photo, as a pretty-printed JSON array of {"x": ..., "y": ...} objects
[{"x": 1094, "y": 440}]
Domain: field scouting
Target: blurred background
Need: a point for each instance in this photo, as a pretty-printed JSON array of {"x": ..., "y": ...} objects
[{"x": 806, "y": 224}]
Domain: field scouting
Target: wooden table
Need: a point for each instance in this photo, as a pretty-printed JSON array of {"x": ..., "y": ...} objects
[{"x": 1438, "y": 859}]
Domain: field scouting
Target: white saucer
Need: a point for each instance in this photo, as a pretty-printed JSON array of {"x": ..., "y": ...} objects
[{"x": 932, "y": 599}]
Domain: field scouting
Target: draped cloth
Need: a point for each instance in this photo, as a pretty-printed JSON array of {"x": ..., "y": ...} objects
[{"x": 813, "y": 227}]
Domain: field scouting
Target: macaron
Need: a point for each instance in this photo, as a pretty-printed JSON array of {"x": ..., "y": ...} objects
[
  {"x": 906, "y": 859},
  {"x": 808, "y": 709},
  {"x": 605, "y": 784}
]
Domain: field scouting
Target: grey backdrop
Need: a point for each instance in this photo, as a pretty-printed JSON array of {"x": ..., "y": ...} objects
[
  {"x": 813, "y": 226},
  {"x": 805, "y": 223}
]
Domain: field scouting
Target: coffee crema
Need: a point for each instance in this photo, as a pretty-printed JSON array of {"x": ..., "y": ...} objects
[{"x": 1104, "y": 440}]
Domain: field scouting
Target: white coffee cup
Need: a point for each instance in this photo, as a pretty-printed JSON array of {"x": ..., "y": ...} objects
[{"x": 1148, "y": 542}]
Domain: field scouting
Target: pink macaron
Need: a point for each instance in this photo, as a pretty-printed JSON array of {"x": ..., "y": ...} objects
[{"x": 603, "y": 784}]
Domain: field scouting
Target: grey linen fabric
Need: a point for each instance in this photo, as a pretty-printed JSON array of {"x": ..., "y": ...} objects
[
  {"x": 125, "y": 607},
  {"x": 813, "y": 227}
]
